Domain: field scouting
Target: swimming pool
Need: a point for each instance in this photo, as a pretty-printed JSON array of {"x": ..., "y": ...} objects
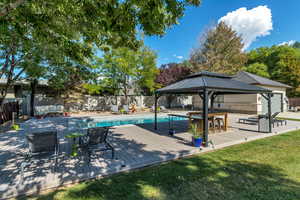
[{"x": 135, "y": 120}]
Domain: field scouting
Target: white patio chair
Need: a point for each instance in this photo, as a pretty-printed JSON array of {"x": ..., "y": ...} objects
[
  {"x": 114, "y": 109},
  {"x": 163, "y": 109},
  {"x": 126, "y": 109}
]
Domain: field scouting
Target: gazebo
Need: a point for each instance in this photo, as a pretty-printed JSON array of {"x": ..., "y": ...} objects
[{"x": 208, "y": 86}]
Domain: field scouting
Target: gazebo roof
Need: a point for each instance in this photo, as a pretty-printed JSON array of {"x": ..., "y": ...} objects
[{"x": 219, "y": 83}]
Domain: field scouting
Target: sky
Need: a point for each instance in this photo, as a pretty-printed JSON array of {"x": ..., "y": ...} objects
[{"x": 259, "y": 22}]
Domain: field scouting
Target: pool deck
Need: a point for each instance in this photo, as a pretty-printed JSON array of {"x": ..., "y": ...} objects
[{"x": 136, "y": 146}]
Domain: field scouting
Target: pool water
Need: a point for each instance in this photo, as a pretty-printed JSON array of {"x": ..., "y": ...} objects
[{"x": 140, "y": 120}]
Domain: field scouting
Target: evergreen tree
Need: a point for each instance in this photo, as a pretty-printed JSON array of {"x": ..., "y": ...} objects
[{"x": 221, "y": 50}]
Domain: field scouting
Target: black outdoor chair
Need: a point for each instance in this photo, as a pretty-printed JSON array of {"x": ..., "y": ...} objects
[
  {"x": 96, "y": 140},
  {"x": 41, "y": 145}
]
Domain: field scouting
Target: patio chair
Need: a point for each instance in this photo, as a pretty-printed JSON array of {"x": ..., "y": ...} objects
[
  {"x": 220, "y": 123},
  {"x": 96, "y": 140},
  {"x": 114, "y": 109},
  {"x": 126, "y": 109},
  {"x": 41, "y": 144},
  {"x": 152, "y": 109},
  {"x": 163, "y": 109}
]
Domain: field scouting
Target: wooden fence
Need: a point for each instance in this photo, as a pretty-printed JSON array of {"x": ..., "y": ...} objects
[
  {"x": 293, "y": 102},
  {"x": 7, "y": 111}
]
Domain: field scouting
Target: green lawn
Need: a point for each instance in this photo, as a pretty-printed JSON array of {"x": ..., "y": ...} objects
[
  {"x": 263, "y": 169},
  {"x": 288, "y": 118}
]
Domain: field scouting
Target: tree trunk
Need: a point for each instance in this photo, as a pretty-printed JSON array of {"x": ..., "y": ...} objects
[
  {"x": 126, "y": 97},
  {"x": 170, "y": 98},
  {"x": 9, "y": 77},
  {"x": 33, "y": 85},
  {"x": 125, "y": 91}
]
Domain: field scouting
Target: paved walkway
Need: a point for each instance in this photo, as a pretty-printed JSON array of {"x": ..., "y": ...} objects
[
  {"x": 136, "y": 146},
  {"x": 290, "y": 115}
]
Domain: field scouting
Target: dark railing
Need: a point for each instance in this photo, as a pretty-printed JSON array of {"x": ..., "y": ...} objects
[
  {"x": 294, "y": 102},
  {"x": 7, "y": 111}
]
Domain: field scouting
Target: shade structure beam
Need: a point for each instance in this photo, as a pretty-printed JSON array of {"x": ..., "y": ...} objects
[{"x": 206, "y": 96}]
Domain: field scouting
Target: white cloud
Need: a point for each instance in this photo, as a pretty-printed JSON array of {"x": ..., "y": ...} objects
[
  {"x": 250, "y": 24},
  {"x": 178, "y": 57},
  {"x": 289, "y": 43}
]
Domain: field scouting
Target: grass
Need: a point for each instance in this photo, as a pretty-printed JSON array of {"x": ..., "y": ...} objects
[
  {"x": 263, "y": 169},
  {"x": 284, "y": 118}
]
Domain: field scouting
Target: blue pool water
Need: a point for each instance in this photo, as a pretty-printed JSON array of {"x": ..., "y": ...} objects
[{"x": 140, "y": 120}]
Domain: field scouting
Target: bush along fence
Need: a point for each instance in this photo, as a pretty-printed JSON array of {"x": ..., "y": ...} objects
[{"x": 7, "y": 111}]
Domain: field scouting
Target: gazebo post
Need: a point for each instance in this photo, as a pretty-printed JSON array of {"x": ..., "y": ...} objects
[
  {"x": 205, "y": 116},
  {"x": 268, "y": 97},
  {"x": 270, "y": 111}
]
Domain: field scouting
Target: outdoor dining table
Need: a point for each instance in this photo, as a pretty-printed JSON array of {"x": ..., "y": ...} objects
[{"x": 196, "y": 117}]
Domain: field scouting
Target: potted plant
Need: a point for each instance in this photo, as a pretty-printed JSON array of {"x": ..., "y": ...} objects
[{"x": 196, "y": 138}]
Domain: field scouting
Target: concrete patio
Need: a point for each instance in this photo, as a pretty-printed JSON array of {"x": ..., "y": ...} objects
[{"x": 136, "y": 146}]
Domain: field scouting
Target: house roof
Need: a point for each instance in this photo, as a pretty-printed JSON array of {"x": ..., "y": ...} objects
[
  {"x": 258, "y": 80},
  {"x": 220, "y": 83}
]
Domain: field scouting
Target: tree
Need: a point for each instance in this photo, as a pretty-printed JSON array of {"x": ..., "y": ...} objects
[
  {"x": 285, "y": 67},
  {"x": 296, "y": 45},
  {"x": 36, "y": 34},
  {"x": 68, "y": 81},
  {"x": 282, "y": 63},
  {"x": 258, "y": 68},
  {"x": 220, "y": 50},
  {"x": 171, "y": 73},
  {"x": 123, "y": 69}
]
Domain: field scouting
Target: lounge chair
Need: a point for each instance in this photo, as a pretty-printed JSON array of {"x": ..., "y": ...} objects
[
  {"x": 254, "y": 120},
  {"x": 114, "y": 109},
  {"x": 249, "y": 120}
]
